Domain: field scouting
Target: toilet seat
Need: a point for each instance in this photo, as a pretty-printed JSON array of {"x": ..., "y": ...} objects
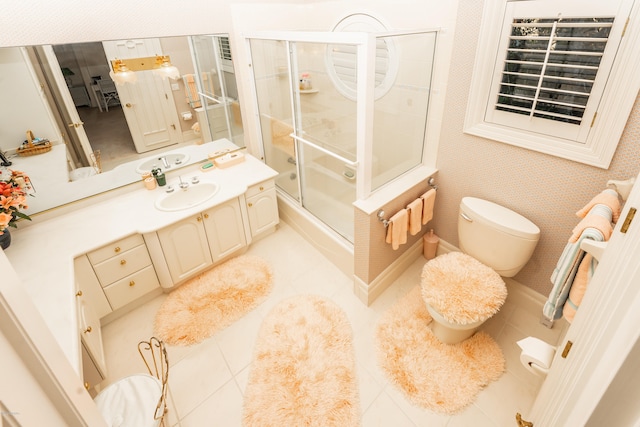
[{"x": 462, "y": 289}]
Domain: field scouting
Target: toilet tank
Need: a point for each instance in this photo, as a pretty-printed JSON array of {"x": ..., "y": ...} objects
[{"x": 496, "y": 236}]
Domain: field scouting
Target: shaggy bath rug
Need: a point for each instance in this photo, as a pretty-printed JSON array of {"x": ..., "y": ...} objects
[
  {"x": 213, "y": 300},
  {"x": 436, "y": 376},
  {"x": 303, "y": 370}
]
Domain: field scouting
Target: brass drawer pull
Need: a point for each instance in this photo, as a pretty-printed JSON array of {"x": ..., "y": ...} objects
[
  {"x": 88, "y": 330},
  {"x": 123, "y": 261},
  {"x": 199, "y": 219},
  {"x": 87, "y": 385},
  {"x": 79, "y": 293},
  {"x": 250, "y": 204},
  {"x": 261, "y": 188},
  {"x": 132, "y": 283},
  {"x": 206, "y": 216},
  {"x": 117, "y": 249}
]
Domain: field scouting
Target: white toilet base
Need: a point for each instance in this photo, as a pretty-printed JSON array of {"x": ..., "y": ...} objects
[{"x": 448, "y": 335}]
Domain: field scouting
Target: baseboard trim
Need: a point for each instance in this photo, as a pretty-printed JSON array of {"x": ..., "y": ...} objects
[{"x": 367, "y": 293}]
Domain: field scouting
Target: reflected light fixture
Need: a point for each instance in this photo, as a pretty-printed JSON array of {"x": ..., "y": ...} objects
[
  {"x": 164, "y": 68},
  {"x": 121, "y": 74}
]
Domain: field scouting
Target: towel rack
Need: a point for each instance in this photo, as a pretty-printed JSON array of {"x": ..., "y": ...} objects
[{"x": 381, "y": 214}]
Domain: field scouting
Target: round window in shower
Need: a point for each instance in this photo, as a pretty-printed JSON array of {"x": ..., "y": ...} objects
[{"x": 342, "y": 59}]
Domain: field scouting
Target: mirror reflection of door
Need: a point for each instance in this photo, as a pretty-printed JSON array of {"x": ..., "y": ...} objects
[
  {"x": 148, "y": 104},
  {"x": 94, "y": 137}
]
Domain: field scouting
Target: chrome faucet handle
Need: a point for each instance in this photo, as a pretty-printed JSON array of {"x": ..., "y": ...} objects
[{"x": 183, "y": 184}]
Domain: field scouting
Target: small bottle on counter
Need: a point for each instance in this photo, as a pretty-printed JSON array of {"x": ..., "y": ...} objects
[{"x": 430, "y": 242}]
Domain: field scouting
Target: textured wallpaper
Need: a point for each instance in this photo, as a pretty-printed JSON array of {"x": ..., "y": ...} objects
[{"x": 546, "y": 189}]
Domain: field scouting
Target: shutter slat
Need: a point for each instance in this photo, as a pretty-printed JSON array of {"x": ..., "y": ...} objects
[{"x": 562, "y": 53}]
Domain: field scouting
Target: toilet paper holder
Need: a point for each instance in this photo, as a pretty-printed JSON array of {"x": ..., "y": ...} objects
[{"x": 536, "y": 355}]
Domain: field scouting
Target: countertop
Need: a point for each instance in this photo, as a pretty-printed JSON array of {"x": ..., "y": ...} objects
[{"x": 42, "y": 253}]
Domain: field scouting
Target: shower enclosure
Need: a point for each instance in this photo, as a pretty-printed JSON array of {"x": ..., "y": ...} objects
[{"x": 342, "y": 114}]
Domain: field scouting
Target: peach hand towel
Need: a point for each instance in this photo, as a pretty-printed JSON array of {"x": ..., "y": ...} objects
[
  {"x": 598, "y": 222},
  {"x": 607, "y": 197},
  {"x": 578, "y": 288},
  {"x": 397, "y": 229},
  {"x": 415, "y": 216},
  {"x": 428, "y": 200}
]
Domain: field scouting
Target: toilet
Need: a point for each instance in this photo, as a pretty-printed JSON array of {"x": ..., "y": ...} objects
[{"x": 463, "y": 289}]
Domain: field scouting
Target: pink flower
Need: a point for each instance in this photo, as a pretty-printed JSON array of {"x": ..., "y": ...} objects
[{"x": 13, "y": 198}]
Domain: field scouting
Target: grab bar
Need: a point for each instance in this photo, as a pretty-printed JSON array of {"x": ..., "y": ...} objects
[{"x": 324, "y": 150}]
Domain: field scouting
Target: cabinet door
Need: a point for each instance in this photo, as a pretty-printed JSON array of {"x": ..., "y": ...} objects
[
  {"x": 91, "y": 338},
  {"x": 225, "y": 229},
  {"x": 185, "y": 248},
  {"x": 262, "y": 209},
  {"x": 89, "y": 287}
]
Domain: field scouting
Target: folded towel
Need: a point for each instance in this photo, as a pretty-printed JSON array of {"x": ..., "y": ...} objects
[
  {"x": 599, "y": 217},
  {"x": 579, "y": 287},
  {"x": 609, "y": 198},
  {"x": 428, "y": 200},
  {"x": 595, "y": 226},
  {"x": 397, "y": 229},
  {"x": 415, "y": 216}
]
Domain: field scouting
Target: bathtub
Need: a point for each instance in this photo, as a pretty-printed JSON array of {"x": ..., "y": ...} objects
[{"x": 326, "y": 218}]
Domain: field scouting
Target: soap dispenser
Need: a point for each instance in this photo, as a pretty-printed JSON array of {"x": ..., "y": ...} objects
[{"x": 159, "y": 176}]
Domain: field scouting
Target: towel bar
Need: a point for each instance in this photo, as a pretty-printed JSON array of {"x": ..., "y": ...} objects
[
  {"x": 380, "y": 214},
  {"x": 385, "y": 222}
]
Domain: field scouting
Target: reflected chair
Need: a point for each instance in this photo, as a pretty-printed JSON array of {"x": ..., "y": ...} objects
[
  {"x": 109, "y": 93},
  {"x": 139, "y": 400}
]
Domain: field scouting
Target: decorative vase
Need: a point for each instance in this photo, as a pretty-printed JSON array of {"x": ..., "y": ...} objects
[{"x": 5, "y": 239}]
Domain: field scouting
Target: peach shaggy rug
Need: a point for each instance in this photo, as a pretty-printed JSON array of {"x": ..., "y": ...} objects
[
  {"x": 436, "y": 376},
  {"x": 213, "y": 300},
  {"x": 303, "y": 370}
]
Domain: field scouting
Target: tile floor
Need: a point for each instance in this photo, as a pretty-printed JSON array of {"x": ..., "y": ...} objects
[{"x": 207, "y": 380}]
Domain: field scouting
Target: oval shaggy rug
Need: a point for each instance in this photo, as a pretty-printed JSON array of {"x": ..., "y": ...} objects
[
  {"x": 213, "y": 300},
  {"x": 440, "y": 377},
  {"x": 303, "y": 370}
]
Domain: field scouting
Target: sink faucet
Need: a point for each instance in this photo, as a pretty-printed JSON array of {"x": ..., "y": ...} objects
[
  {"x": 165, "y": 163},
  {"x": 183, "y": 184}
]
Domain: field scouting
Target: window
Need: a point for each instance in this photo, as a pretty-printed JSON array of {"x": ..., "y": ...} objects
[
  {"x": 224, "y": 52},
  {"x": 549, "y": 78}
]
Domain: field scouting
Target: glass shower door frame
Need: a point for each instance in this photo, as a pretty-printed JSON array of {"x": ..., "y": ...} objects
[
  {"x": 366, "y": 54},
  {"x": 365, "y": 44}
]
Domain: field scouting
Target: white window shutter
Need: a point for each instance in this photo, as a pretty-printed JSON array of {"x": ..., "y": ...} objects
[{"x": 546, "y": 67}]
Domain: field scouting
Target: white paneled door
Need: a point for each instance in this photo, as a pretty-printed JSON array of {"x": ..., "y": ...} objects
[{"x": 148, "y": 103}]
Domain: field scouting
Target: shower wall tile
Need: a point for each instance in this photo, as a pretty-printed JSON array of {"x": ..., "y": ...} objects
[{"x": 546, "y": 189}]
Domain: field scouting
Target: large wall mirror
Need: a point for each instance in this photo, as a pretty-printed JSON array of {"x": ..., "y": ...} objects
[{"x": 105, "y": 134}]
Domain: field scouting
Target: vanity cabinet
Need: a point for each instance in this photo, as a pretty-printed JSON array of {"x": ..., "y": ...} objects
[
  {"x": 124, "y": 270},
  {"x": 262, "y": 207},
  {"x": 185, "y": 248},
  {"x": 198, "y": 242}
]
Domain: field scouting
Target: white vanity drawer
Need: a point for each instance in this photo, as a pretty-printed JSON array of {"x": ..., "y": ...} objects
[
  {"x": 115, "y": 248},
  {"x": 259, "y": 188},
  {"x": 132, "y": 287},
  {"x": 122, "y": 265}
]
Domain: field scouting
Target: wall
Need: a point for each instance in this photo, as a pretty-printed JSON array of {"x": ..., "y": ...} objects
[
  {"x": 543, "y": 188},
  {"x": 25, "y": 111}
]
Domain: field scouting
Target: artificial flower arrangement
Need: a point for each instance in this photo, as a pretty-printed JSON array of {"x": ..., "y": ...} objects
[{"x": 14, "y": 187}]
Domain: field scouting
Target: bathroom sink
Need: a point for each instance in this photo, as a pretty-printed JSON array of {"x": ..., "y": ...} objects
[
  {"x": 181, "y": 199},
  {"x": 172, "y": 160}
]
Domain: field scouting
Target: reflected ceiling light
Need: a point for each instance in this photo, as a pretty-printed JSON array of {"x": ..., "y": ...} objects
[
  {"x": 164, "y": 68},
  {"x": 121, "y": 74}
]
